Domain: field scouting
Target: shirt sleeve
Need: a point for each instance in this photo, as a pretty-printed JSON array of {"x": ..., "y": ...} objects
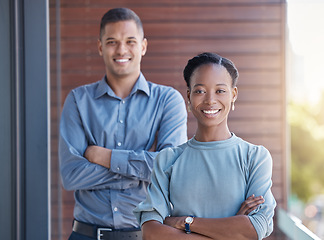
[
  {"x": 172, "y": 132},
  {"x": 259, "y": 183},
  {"x": 157, "y": 205},
  {"x": 77, "y": 173}
]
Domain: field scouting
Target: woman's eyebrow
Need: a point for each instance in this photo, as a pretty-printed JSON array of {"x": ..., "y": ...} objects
[{"x": 198, "y": 85}]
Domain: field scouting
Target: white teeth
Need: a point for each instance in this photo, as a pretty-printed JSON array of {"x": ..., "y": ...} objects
[
  {"x": 210, "y": 111},
  {"x": 122, "y": 60}
]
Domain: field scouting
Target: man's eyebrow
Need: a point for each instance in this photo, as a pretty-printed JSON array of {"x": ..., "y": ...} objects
[
  {"x": 110, "y": 38},
  {"x": 131, "y": 38}
]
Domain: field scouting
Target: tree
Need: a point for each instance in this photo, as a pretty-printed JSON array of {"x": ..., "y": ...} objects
[{"x": 307, "y": 149}]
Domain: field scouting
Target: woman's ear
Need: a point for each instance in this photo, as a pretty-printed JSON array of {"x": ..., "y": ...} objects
[
  {"x": 235, "y": 93},
  {"x": 188, "y": 94},
  {"x": 188, "y": 104}
]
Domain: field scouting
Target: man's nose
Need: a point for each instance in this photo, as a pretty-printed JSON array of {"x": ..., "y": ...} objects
[{"x": 121, "y": 48}]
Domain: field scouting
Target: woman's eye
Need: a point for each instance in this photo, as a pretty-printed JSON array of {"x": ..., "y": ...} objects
[
  {"x": 220, "y": 91},
  {"x": 199, "y": 91}
]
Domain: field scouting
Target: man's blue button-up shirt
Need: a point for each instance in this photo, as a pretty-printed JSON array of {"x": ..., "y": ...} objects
[{"x": 151, "y": 117}]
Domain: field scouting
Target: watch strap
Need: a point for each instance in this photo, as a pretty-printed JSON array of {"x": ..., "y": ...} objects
[{"x": 187, "y": 226}]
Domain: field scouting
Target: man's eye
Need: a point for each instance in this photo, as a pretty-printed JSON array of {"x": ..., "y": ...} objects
[{"x": 111, "y": 43}]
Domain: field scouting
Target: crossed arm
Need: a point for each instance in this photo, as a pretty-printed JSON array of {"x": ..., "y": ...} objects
[
  {"x": 236, "y": 227},
  {"x": 98, "y": 155},
  {"x": 79, "y": 146}
]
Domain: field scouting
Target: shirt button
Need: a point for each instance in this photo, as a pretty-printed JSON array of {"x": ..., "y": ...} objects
[
  {"x": 119, "y": 144},
  {"x": 117, "y": 168},
  {"x": 121, "y": 121},
  {"x": 123, "y": 102},
  {"x": 115, "y": 209}
]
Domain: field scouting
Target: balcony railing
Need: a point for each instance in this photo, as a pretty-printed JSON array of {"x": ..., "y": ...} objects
[{"x": 293, "y": 227}]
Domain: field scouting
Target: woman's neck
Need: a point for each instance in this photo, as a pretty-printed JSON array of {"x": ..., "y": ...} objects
[{"x": 212, "y": 134}]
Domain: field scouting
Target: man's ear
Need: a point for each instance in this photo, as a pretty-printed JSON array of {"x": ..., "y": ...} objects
[
  {"x": 99, "y": 46},
  {"x": 144, "y": 46}
]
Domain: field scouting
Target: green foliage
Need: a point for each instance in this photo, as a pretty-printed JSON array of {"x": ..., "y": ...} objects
[{"x": 307, "y": 149}]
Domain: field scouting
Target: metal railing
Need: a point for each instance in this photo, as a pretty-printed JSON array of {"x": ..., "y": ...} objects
[{"x": 293, "y": 227}]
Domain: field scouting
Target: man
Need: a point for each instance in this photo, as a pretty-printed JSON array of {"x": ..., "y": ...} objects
[{"x": 111, "y": 131}]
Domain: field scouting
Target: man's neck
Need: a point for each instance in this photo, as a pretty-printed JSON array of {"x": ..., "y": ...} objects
[{"x": 122, "y": 86}]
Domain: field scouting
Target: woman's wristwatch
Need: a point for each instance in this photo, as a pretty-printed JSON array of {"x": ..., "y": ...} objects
[{"x": 188, "y": 222}]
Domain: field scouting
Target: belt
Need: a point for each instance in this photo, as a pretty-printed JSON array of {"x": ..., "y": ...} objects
[{"x": 105, "y": 233}]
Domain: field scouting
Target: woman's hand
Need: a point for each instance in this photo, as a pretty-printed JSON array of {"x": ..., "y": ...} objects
[
  {"x": 250, "y": 204},
  {"x": 175, "y": 222}
]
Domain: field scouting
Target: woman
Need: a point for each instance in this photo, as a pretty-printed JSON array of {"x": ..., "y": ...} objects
[{"x": 198, "y": 187}]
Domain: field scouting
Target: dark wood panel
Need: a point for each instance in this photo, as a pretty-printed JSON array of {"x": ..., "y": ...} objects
[
  {"x": 260, "y": 94},
  {"x": 177, "y": 63},
  {"x": 180, "y": 14},
  {"x": 277, "y": 177},
  {"x": 272, "y": 143},
  {"x": 213, "y": 30},
  {"x": 256, "y": 111},
  {"x": 229, "y": 45},
  {"x": 195, "y": 30},
  {"x": 143, "y": 3},
  {"x": 256, "y": 78},
  {"x": 163, "y": 64},
  {"x": 185, "y": 46},
  {"x": 256, "y": 127},
  {"x": 85, "y": 69},
  {"x": 279, "y": 196},
  {"x": 277, "y": 159},
  {"x": 259, "y": 77}
]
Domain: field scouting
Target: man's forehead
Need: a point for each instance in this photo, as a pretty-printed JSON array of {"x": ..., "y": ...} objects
[{"x": 126, "y": 28}]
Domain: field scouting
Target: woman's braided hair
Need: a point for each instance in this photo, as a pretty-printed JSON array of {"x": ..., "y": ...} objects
[{"x": 210, "y": 58}]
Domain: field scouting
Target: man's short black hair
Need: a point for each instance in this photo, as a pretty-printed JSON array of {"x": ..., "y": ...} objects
[{"x": 117, "y": 15}]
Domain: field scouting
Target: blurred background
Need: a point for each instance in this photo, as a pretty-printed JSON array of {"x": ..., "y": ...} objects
[{"x": 306, "y": 111}]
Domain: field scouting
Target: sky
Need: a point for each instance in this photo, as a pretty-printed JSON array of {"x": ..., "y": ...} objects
[{"x": 305, "y": 19}]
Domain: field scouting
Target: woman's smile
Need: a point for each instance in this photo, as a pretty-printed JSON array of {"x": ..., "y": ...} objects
[{"x": 211, "y": 112}]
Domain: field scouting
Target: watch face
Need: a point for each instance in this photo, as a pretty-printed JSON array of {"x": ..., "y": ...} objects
[{"x": 189, "y": 220}]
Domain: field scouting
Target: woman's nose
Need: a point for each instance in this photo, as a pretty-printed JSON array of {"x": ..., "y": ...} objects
[{"x": 210, "y": 99}]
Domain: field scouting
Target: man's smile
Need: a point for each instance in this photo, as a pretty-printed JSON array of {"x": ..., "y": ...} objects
[{"x": 122, "y": 60}]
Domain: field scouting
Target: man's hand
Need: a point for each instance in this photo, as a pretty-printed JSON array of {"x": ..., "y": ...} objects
[
  {"x": 250, "y": 204},
  {"x": 98, "y": 155}
]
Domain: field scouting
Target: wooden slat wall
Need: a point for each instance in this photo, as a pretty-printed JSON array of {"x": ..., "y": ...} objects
[{"x": 249, "y": 32}]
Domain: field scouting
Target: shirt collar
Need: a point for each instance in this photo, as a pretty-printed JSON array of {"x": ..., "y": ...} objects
[{"x": 140, "y": 85}]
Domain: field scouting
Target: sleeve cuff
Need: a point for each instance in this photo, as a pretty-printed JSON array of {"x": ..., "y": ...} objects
[
  {"x": 118, "y": 161},
  {"x": 148, "y": 216},
  {"x": 261, "y": 226}
]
